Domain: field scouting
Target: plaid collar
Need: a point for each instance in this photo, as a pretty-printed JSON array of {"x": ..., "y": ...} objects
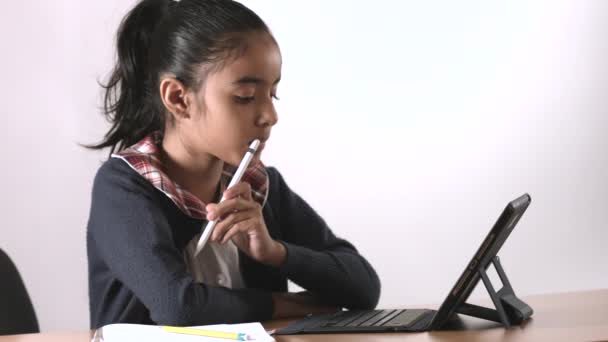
[{"x": 143, "y": 157}]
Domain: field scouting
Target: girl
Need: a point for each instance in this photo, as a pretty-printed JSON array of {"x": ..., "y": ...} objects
[{"x": 194, "y": 84}]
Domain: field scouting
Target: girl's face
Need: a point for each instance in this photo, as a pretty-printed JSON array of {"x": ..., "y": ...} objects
[{"x": 235, "y": 105}]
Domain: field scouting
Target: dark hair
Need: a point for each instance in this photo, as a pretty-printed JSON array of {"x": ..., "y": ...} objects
[{"x": 166, "y": 36}]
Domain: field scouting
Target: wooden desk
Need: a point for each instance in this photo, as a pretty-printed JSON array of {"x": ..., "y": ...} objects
[{"x": 572, "y": 316}]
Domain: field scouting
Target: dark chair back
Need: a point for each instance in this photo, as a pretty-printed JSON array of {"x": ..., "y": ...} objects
[{"x": 17, "y": 314}]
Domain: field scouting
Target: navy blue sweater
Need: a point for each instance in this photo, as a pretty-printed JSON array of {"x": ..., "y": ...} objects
[{"x": 137, "y": 274}]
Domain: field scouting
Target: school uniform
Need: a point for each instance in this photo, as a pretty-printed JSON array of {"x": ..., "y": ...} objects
[{"x": 142, "y": 233}]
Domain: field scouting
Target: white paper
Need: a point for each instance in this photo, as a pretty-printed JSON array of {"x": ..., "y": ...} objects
[{"x": 151, "y": 333}]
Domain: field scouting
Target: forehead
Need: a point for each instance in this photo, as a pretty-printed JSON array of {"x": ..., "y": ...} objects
[{"x": 260, "y": 58}]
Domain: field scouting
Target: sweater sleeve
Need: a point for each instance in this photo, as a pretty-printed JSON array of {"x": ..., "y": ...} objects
[
  {"x": 134, "y": 240},
  {"x": 317, "y": 260}
]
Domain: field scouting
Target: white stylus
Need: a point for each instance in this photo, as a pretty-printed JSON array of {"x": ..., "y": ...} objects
[{"x": 235, "y": 179}]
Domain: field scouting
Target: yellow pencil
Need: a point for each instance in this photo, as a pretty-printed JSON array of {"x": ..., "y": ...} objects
[{"x": 207, "y": 333}]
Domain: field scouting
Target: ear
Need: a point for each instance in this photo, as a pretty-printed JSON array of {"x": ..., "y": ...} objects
[{"x": 174, "y": 96}]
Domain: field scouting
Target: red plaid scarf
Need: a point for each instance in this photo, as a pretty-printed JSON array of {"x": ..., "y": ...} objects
[{"x": 143, "y": 157}]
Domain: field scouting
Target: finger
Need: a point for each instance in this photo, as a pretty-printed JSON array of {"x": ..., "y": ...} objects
[
  {"x": 224, "y": 225},
  {"x": 221, "y": 210},
  {"x": 242, "y": 189},
  {"x": 241, "y": 227}
]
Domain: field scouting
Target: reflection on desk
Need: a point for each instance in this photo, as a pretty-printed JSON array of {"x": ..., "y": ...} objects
[{"x": 572, "y": 316}]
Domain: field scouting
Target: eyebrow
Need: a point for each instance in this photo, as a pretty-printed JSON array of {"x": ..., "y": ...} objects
[{"x": 254, "y": 80}]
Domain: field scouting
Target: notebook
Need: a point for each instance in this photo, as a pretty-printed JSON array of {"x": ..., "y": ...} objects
[{"x": 121, "y": 332}]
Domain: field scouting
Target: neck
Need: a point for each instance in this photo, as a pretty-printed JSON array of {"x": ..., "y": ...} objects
[{"x": 199, "y": 174}]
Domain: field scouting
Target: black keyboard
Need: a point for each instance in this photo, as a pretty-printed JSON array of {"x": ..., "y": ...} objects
[{"x": 388, "y": 318}]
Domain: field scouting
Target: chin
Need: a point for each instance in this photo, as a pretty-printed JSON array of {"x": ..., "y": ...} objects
[
  {"x": 236, "y": 158},
  {"x": 257, "y": 156},
  {"x": 234, "y": 161}
]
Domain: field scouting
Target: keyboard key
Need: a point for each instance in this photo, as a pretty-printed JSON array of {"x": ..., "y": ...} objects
[
  {"x": 388, "y": 317},
  {"x": 406, "y": 318},
  {"x": 341, "y": 318},
  {"x": 366, "y": 316},
  {"x": 348, "y": 319},
  {"x": 376, "y": 318}
]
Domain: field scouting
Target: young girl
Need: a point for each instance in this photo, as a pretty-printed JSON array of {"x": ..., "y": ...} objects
[{"x": 194, "y": 84}]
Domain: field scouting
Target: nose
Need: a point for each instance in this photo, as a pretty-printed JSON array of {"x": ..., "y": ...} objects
[{"x": 268, "y": 116}]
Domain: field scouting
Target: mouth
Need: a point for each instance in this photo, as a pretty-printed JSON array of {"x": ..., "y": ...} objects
[
  {"x": 259, "y": 148},
  {"x": 262, "y": 142}
]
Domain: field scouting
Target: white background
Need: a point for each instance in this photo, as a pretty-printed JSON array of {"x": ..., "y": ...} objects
[{"x": 407, "y": 125}]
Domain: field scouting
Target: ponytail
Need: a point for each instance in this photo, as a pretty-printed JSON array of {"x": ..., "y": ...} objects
[
  {"x": 126, "y": 102},
  {"x": 165, "y": 36}
]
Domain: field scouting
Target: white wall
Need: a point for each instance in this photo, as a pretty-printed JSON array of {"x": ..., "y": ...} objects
[{"x": 415, "y": 121}]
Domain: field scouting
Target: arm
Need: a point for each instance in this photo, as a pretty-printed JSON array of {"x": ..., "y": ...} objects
[
  {"x": 317, "y": 260},
  {"x": 135, "y": 241}
]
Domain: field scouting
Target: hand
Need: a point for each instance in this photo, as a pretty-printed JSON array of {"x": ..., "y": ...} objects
[
  {"x": 241, "y": 220},
  {"x": 300, "y": 304}
]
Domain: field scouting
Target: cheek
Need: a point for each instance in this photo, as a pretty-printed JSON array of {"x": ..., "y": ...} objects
[
  {"x": 222, "y": 136},
  {"x": 230, "y": 120}
]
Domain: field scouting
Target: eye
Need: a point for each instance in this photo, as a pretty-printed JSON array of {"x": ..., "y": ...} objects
[
  {"x": 274, "y": 96},
  {"x": 243, "y": 99}
]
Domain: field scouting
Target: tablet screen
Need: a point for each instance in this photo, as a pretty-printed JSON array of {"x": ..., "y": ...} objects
[{"x": 482, "y": 258}]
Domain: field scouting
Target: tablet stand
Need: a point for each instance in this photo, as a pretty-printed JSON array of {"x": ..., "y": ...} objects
[{"x": 510, "y": 310}]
